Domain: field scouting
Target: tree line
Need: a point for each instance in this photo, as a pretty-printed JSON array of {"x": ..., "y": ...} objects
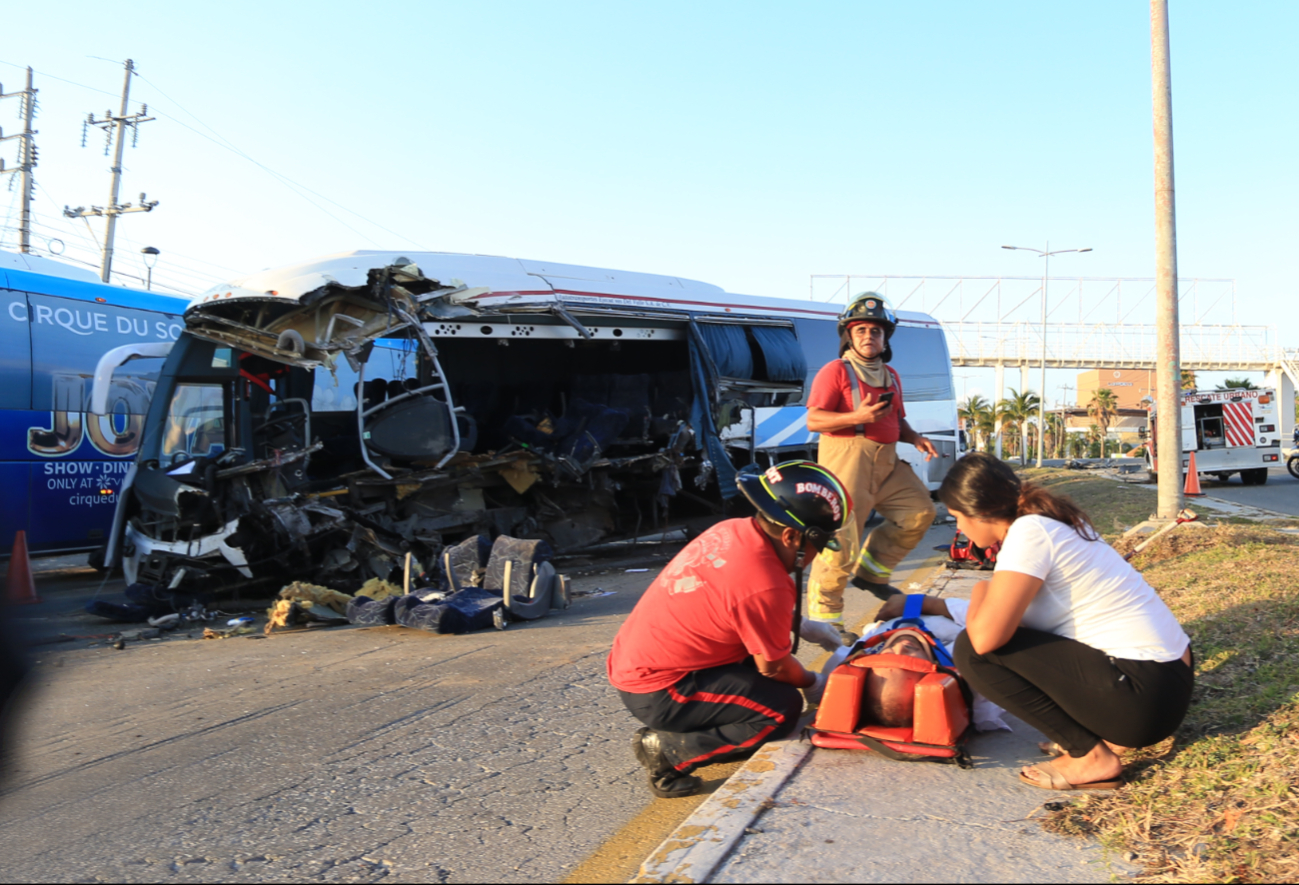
[{"x": 1020, "y": 412}]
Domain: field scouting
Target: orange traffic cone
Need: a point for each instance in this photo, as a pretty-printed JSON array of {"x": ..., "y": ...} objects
[
  {"x": 20, "y": 585},
  {"x": 1192, "y": 489}
]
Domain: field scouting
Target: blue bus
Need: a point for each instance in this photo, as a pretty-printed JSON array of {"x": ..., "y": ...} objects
[{"x": 60, "y": 465}]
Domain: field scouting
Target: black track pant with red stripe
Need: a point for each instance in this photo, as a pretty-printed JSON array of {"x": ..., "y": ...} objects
[{"x": 717, "y": 714}]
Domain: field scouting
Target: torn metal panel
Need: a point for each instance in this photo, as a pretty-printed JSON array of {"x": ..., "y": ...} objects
[{"x": 327, "y": 421}]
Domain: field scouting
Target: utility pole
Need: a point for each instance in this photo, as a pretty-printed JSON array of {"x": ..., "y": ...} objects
[
  {"x": 26, "y": 160},
  {"x": 117, "y": 141},
  {"x": 1168, "y": 376}
]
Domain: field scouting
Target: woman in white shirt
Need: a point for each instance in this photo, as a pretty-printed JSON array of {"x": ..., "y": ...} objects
[{"x": 1067, "y": 635}]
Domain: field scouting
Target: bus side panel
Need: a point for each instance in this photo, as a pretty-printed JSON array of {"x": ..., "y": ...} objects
[
  {"x": 15, "y": 491},
  {"x": 15, "y": 400},
  {"x": 15, "y": 352},
  {"x": 69, "y": 337},
  {"x": 75, "y": 460},
  {"x": 73, "y": 502}
]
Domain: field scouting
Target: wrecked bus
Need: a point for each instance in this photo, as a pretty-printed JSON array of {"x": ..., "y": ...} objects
[{"x": 322, "y": 421}]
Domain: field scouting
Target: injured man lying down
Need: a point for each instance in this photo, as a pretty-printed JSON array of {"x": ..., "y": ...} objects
[{"x": 889, "y": 694}]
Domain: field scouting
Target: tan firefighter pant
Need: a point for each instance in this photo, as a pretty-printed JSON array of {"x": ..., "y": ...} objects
[{"x": 878, "y": 481}]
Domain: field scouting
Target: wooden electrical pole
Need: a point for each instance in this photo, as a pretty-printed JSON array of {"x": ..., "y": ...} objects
[
  {"x": 115, "y": 127},
  {"x": 26, "y": 160}
]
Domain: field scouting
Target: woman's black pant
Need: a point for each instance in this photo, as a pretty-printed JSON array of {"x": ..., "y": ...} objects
[
  {"x": 717, "y": 714},
  {"x": 1077, "y": 695}
]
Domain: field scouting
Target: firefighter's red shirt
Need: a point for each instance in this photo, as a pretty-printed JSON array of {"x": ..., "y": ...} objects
[
  {"x": 830, "y": 391},
  {"x": 724, "y": 597}
]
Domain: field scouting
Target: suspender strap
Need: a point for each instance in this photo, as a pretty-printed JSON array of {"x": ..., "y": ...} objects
[{"x": 854, "y": 382}]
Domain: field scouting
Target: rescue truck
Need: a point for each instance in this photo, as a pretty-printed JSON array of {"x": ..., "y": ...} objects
[{"x": 1230, "y": 431}]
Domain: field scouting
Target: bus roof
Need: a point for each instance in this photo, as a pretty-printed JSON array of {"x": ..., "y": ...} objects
[
  {"x": 32, "y": 273},
  {"x": 516, "y": 282}
]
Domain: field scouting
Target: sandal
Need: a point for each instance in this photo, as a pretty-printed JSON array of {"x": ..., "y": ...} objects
[
  {"x": 1051, "y": 748},
  {"x": 1056, "y": 781}
]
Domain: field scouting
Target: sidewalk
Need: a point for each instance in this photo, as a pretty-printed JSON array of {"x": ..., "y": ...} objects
[{"x": 794, "y": 813}]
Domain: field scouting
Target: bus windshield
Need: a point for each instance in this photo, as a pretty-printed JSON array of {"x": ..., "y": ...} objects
[{"x": 195, "y": 423}]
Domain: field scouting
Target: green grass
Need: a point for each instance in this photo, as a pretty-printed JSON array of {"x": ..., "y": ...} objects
[
  {"x": 1114, "y": 507},
  {"x": 1218, "y": 802}
]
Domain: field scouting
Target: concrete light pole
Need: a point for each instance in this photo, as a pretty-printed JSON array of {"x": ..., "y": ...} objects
[
  {"x": 1041, "y": 406},
  {"x": 1168, "y": 375}
]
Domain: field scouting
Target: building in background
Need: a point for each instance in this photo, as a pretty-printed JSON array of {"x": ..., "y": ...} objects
[{"x": 1130, "y": 386}]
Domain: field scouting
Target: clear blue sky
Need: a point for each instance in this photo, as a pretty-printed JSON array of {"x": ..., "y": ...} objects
[{"x": 746, "y": 144}]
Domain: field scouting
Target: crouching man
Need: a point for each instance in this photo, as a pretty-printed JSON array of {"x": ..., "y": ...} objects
[{"x": 705, "y": 659}]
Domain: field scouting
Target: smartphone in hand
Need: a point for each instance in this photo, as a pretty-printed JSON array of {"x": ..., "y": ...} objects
[{"x": 886, "y": 396}]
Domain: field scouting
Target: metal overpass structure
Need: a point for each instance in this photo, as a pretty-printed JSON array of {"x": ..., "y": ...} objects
[{"x": 1092, "y": 323}]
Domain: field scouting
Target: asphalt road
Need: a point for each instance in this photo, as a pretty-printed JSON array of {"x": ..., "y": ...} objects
[
  {"x": 346, "y": 754},
  {"x": 1279, "y": 493}
]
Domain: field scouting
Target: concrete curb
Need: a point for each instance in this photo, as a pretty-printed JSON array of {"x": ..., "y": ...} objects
[{"x": 699, "y": 845}]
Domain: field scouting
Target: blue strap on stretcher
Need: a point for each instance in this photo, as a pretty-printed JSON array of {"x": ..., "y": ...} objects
[{"x": 911, "y": 616}]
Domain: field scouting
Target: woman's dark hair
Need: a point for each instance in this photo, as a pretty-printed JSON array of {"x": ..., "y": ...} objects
[{"x": 985, "y": 487}]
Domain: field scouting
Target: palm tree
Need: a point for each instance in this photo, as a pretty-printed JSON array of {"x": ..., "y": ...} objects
[
  {"x": 1055, "y": 433},
  {"x": 1103, "y": 409},
  {"x": 1017, "y": 409},
  {"x": 977, "y": 414},
  {"x": 1238, "y": 384}
]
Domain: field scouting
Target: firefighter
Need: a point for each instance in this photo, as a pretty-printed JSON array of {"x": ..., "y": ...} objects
[
  {"x": 856, "y": 404},
  {"x": 706, "y": 660}
]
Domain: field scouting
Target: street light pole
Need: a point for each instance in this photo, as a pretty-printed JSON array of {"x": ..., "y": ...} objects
[
  {"x": 150, "y": 259},
  {"x": 1041, "y": 406}
]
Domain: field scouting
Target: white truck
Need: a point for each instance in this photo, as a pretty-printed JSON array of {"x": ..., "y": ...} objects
[{"x": 1230, "y": 431}]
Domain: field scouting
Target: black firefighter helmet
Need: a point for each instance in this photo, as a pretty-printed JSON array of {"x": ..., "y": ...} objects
[
  {"x": 801, "y": 495},
  {"x": 868, "y": 307}
]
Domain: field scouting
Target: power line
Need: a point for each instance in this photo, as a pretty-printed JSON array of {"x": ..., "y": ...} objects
[
  {"x": 221, "y": 141},
  {"x": 230, "y": 146}
]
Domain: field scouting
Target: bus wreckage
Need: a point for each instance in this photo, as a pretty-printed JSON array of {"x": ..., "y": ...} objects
[{"x": 322, "y": 421}]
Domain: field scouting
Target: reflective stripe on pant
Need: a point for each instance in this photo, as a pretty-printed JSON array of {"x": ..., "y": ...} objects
[
  {"x": 717, "y": 714},
  {"x": 877, "y": 480}
]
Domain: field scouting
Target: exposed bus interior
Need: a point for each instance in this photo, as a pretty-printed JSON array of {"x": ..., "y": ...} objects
[{"x": 272, "y": 450}]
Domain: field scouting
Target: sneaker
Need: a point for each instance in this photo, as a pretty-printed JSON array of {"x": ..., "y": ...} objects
[
  {"x": 674, "y": 785},
  {"x": 847, "y": 637},
  {"x": 881, "y": 591}
]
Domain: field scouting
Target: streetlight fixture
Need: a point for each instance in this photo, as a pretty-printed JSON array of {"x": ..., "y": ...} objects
[
  {"x": 150, "y": 259},
  {"x": 1041, "y": 408}
]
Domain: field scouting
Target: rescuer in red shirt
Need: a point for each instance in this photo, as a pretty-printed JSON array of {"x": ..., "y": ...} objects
[
  {"x": 706, "y": 659},
  {"x": 856, "y": 405}
]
